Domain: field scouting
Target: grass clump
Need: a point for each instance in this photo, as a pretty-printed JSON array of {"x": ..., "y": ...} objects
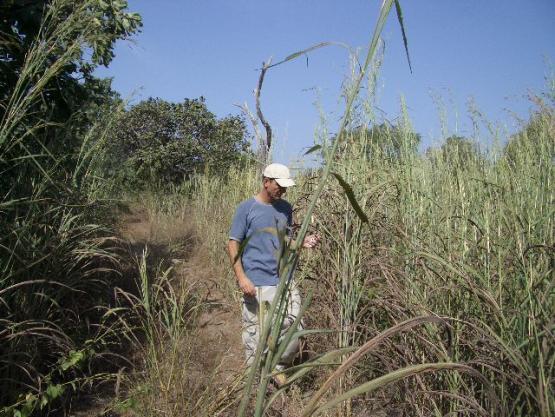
[
  {"x": 457, "y": 234},
  {"x": 456, "y": 240},
  {"x": 58, "y": 255}
]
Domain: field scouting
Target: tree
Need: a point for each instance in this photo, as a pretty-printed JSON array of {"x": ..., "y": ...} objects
[
  {"x": 53, "y": 46},
  {"x": 157, "y": 142},
  {"x": 98, "y": 24},
  {"x": 384, "y": 141},
  {"x": 48, "y": 95},
  {"x": 456, "y": 152},
  {"x": 391, "y": 141}
]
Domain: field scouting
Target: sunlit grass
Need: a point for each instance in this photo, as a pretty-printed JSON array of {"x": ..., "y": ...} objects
[{"x": 468, "y": 240}]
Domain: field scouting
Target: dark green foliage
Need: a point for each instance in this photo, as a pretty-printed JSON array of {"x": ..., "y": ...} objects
[
  {"x": 65, "y": 106},
  {"x": 351, "y": 197},
  {"x": 159, "y": 143},
  {"x": 392, "y": 140},
  {"x": 20, "y": 26},
  {"x": 54, "y": 260},
  {"x": 402, "y": 26},
  {"x": 385, "y": 141}
]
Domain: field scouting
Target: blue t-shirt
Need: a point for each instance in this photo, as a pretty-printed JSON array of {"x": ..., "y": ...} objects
[{"x": 261, "y": 223}]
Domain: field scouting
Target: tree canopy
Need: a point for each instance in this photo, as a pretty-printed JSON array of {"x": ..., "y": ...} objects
[
  {"x": 536, "y": 138},
  {"x": 457, "y": 152},
  {"x": 49, "y": 96},
  {"x": 385, "y": 141},
  {"x": 54, "y": 46},
  {"x": 158, "y": 142}
]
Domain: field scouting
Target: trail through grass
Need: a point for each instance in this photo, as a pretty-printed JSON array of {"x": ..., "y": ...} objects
[{"x": 180, "y": 368}]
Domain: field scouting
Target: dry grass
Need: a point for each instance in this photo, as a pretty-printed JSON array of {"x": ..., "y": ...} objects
[
  {"x": 183, "y": 337},
  {"x": 441, "y": 241}
]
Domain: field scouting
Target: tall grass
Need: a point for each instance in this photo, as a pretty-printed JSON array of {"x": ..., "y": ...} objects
[
  {"x": 270, "y": 344},
  {"x": 464, "y": 240},
  {"x": 452, "y": 272},
  {"x": 56, "y": 262},
  {"x": 469, "y": 237},
  {"x": 160, "y": 322}
]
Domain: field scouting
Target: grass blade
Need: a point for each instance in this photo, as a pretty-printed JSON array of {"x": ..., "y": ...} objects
[
  {"x": 405, "y": 41},
  {"x": 393, "y": 377},
  {"x": 307, "y": 50},
  {"x": 313, "y": 149},
  {"x": 363, "y": 350},
  {"x": 351, "y": 196}
]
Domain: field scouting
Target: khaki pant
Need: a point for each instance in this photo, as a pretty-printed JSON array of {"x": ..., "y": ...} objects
[{"x": 253, "y": 315}]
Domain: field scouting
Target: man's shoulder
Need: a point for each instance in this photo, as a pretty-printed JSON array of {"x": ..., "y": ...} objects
[{"x": 245, "y": 205}]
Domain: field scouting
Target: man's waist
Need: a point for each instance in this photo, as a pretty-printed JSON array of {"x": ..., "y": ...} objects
[{"x": 260, "y": 279}]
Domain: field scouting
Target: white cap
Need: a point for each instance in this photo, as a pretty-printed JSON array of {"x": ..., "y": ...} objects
[{"x": 280, "y": 173}]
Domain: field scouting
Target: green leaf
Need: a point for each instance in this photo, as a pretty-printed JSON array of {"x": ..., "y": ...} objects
[
  {"x": 327, "y": 359},
  {"x": 73, "y": 359},
  {"x": 305, "y": 51},
  {"x": 351, "y": 196},
  {"x": 393, "y": 377},
  {"x": 129, "y": 404},
  {"x": 313, "y": 149},
  {"x": 28, "y": 406},
  {"x": 54, "y": 391},
  {"x": 405, "y": 42}
]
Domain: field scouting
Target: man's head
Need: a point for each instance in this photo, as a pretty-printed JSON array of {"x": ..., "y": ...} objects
[{"x": 276, "y": 179}]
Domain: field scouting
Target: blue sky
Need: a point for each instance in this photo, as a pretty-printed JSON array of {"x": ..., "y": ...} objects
[{"x": 492, "y": 53}]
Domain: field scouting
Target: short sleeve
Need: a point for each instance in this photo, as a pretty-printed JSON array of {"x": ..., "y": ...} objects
[{"x": 238, "y": 229}]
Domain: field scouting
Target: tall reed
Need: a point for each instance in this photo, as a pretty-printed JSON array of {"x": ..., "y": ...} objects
[
  {"x": 462, "y": 235},
  {"x": 452, "y": 271},
  {"x": 265, "y": 359}
]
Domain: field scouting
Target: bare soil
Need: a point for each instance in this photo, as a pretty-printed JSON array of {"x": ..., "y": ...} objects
[{"x": 218, "y": 351}]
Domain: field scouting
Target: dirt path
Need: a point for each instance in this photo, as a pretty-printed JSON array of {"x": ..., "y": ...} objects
[
  {"x": 217, "y": 359},
  {"x": 219, "y": 350}
]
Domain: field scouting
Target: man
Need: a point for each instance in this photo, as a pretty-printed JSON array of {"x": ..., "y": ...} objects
[{"x": 260, "y": 221}]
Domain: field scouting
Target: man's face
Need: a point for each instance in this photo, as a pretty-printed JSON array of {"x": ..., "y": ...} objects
[{"x": 274, "y": 190}]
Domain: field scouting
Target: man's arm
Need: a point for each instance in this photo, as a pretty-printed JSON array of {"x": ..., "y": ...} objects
[{"x": 244, "y": 282}]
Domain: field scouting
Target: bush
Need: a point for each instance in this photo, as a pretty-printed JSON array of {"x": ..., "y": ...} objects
[{"x": 157, "y": 143}]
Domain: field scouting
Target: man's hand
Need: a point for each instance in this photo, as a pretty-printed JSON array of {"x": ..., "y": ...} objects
[
  {"x": 244, "y": 282},
  {"x": 247, "y": 286},
  {"x": 311, "y": 241}
]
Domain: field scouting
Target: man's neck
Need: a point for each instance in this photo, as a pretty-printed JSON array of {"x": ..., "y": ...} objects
[{"x": 263, "y": 197}]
